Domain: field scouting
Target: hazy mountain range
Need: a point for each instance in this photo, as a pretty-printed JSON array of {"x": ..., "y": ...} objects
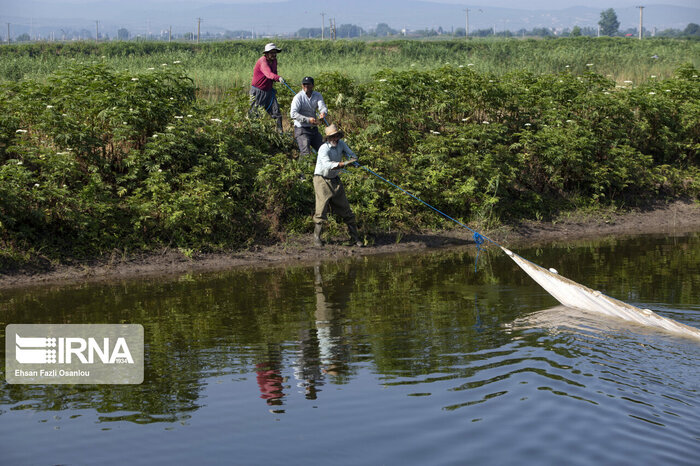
[{"x": 282, "y": 17}]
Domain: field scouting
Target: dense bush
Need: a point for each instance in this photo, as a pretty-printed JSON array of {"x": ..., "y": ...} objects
[{"x": 93, "y": 159}]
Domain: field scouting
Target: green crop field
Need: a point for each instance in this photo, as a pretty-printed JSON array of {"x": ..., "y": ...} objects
[
  {"x": 218, "y": 67},
  {"x": 136, "y": 146}
]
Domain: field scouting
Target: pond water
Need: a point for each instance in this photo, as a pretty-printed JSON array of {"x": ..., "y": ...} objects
[{"x": 405, "y": 359}]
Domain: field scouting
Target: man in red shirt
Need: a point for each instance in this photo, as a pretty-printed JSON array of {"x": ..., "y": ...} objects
[{"x": 262, "y": 94}]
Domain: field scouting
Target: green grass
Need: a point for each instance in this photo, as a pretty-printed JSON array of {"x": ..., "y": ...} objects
[{"x": 222, "y": 66}]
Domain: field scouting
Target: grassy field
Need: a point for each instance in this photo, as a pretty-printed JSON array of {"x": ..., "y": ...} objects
[
  {"x": 219, "y": 67},
  {"x": 138, "y": 146}
]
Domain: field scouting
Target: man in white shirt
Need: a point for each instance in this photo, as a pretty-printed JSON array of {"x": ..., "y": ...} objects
[
  {"x": 303, "y": 113},
  {"x": 328, "y": 188}
]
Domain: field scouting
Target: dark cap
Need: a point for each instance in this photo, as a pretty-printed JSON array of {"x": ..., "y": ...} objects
[{"x": 307, "y": 80}]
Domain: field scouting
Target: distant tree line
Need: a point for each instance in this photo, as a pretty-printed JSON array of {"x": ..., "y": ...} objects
[{"x": 608, "y": 25}]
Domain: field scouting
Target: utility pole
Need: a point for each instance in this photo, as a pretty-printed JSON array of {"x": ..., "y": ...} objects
[
  {"x": 170, "y": 33},
  {"x": 8, "y": 33},
  {"x": 466, "y": 24},
  {"x": 199, "y": 20},
  {"x": 641, "y": 8},
  {"x": 323, "y": 24},
  {"x": 97, "y": 31}
]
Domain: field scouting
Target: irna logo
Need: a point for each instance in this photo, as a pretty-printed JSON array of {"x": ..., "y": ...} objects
[
  {"x": 74, "y": 353},
  {"x": 50, "y": 350}
]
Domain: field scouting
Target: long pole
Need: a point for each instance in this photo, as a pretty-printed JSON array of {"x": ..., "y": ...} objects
[
  {"x": 466, "y": 24},
  {"x": 97, "y": 31},
  {"x": 641, "y": 8},
  {"x": 199, "y": 20},
  {"x": 8, "y": 33},
  {"x": 323, "y": 24}
]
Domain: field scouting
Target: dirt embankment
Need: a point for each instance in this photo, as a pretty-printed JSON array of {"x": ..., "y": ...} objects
[{"x": 677, "y": 217}]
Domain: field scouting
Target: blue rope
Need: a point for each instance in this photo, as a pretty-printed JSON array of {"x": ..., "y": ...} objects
[
  {"x": 274, "y": 96},
  {"x": 479, "y": 239}
]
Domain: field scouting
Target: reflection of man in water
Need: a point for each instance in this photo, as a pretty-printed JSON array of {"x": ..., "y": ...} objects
[
  {"x": 270, "y": 379},
  {"x": 324, "y": 321},
  {"x": 322, "y": 349}
]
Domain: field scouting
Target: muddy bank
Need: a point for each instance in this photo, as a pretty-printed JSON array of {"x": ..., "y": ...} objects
[{"x": 677, "y": 217}]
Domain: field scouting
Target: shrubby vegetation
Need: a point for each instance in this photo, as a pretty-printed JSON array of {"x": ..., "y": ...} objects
[{"x": 94, "y": 159}]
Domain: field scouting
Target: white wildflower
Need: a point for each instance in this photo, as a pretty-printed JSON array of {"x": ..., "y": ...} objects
[
  {"x": 19, "y": 162},
  {"x": 606, "y": 93},
  {"x": 36, "y": 185},
  {"x": 528, "y": 124},
  {"x": 383, "y": 80},
  {"x": 434, "y": 132},
  {"x": 189, "y": 116},
  {"x": 589, "y": 64},
  {"x": 569, "y": 121},
  {"x": 149, "y": 69},
  {"x": 653, "y": 75},
  {"x": 485, "y": 122},
  {"x": 470, "y": 64},
  {"x": 465, "y": 119},
  {"x": 169, "y": 128},
  {"x": 22, "y": 131},
  {"x": 652, "y": 93},
  {"x": 627, "y": 82},
  {"x": 164, "y": 64},
  {"x": 216, "y": 120},
  {"x": 567, "y": 66},
  {"x": 179, "y": 117},
  {"x": 667, "y": 90},
  {"x": 49, "y": 106},
  {"x": 160, "y": 170},
  {"x": 177, "y": 61},
  {"x": 461, "y": 66},
  {"x": 134, "y": 79}
]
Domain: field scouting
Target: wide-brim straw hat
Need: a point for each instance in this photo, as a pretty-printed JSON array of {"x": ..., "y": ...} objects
[
  {"x": 333, "y": 130},
  {"x": 271, "y": 47}
]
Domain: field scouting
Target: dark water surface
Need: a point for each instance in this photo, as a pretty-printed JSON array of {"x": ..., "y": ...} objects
[{"x": 410, "y": 359}]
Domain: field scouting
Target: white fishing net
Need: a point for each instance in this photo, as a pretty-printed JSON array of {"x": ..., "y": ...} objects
[{"x": 573, "y": 295}]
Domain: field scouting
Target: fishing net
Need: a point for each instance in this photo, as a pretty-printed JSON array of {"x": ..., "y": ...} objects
[{"x": 574, "y": 295}]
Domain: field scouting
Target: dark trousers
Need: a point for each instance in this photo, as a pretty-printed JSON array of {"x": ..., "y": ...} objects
[
  {"x": 307, "y": 136},
  {"x": 268, "y": 101}
]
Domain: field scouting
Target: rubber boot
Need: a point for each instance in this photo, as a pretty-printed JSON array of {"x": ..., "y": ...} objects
[
  {"x": 318, "y": 229},
  {"x": 354, "y": 236}
]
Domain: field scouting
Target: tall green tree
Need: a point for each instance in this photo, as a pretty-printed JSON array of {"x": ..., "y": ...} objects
[{"x": 609, "y": 25}]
